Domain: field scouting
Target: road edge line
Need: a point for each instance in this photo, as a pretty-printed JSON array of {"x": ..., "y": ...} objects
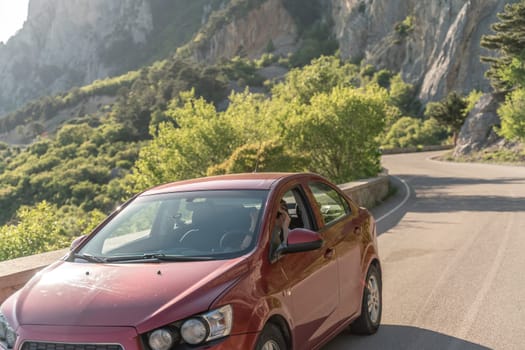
[{"x": 407, "y": 196}]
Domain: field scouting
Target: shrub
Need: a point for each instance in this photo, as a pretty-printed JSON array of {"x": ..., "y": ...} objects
[
  {"x": 512, "y": 113},
  {"x": 406, "y": 26},
  {"x": 413, "y": 132}
]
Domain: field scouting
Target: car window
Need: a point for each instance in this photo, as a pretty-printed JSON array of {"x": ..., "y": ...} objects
[
  {"x": 299, "y": 214},
  {"x": 135, "y": 227},
  {"x": 211, "y": 224},
  {"x": 331, "y": 204}
]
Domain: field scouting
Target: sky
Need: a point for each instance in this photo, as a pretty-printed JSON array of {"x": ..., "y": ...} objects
[{"x": 13, "y": 13}]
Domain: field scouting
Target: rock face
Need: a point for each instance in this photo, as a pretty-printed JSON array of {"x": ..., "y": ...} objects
[
  {"x": 251, "y": 34},
  {"x": 67, "y": 43},
  {"x": 433, "y": 43},
  {"x": 478, "y": 130}
]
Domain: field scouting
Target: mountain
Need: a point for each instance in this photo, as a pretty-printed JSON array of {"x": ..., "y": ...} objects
[
  {"x": 67, "y": 43},
  {"x": 435, "y": 44}
]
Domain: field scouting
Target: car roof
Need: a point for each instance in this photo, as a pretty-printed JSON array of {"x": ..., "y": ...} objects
[{"x": 245, "y": 181}]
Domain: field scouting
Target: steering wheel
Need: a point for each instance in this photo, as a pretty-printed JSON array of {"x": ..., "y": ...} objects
[
  {"x": 186, "y": 239},
  {"x": 232, "y": 239}
]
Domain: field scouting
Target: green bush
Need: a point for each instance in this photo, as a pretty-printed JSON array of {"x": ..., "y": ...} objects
[
  {"x": 413, "y": 132},
  {"x": 406, "y": 26},
  {"x": 44, "y": 228},
  {"x": 512, "y": 113}
]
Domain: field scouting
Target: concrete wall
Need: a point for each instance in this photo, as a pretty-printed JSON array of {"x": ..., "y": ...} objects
[
  {"x": 416, "y": 149},
  {"x": 15, "y": 273},
  {"x": 368, "y": 193}
]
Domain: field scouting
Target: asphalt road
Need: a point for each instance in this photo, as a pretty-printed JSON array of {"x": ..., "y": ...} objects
[{"x": 452, "y": 244}]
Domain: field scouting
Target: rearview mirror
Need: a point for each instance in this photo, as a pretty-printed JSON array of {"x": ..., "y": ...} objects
[{"x": 301, "y": 240}]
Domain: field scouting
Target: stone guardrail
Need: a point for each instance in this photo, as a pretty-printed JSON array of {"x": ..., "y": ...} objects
[
  {"x": 15, "y": 273},
  {"x": 368, "y": 193},
  {"x": 416, "y": 149}
]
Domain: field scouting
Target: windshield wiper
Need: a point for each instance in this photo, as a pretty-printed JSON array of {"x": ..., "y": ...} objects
[
  {"x": 168, "y": 257},
  {"x": 154, "y": 257},
  {"x": 90, "y": 258}
]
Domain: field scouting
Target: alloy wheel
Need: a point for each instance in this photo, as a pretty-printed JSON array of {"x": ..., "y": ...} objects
[
  {"x": 270, "y": 345},
  {"x": 374, "y": 299}
]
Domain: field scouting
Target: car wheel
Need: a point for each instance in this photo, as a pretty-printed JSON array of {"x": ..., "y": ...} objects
[
  {"x": 371, "y": 306},
  {"x": 271, "y": 338}
]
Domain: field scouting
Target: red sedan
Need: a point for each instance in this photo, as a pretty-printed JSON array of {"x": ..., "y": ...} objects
[{"x": 248, "y": 261}]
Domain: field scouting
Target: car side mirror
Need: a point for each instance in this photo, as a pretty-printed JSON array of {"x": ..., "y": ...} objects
[
  {"x": 300, "y": 240},
  {"x": 77, "y": 242}
]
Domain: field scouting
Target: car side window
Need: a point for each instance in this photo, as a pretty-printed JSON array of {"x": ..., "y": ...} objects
[
  {"x": 332, "y": 205},
  {"x": 299, "y": 217}
]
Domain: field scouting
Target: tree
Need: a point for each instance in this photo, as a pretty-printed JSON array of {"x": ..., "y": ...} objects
[
  {"x": 337, "y": 133},
  {"x": 512, "y": 114},
  {"x": 266, "y": 156},
  {"x": 413, "y": 132},
  {"x": 315, "y": 120},
  {"x": 176, "y": 153},
  {"x": 450, "y": 112},
  {"x": 507, "y": 69},
  {"x": 73, "y": 134},
  {"x": 383, "y": 78},
  {"x": 403, "y": 96},
  {"x": 321, "y": 76},
  {"x": 43, "y": 228}
]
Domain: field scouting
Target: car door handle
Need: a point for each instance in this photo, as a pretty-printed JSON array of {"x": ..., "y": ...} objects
[{"x": 329, "y": 253}]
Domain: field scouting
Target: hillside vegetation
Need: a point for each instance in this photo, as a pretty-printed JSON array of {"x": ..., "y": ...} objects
[
  {"x": 176, "y": 119},
  {"x": 507, "y": 70},
  {"x": 326, "y": 117}
]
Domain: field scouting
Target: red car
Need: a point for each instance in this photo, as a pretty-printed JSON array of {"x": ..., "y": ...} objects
[{"x": 248, "y": 261}]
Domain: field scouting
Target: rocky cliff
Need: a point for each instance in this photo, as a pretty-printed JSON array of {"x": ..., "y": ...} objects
[
  {"x": 69, "y": 42},
  {"x": 478, "y": 130},
  {"x": 66, "y": 43},
  {"x": 249, "y": 35},
  {"x": 433, "y": 43}
]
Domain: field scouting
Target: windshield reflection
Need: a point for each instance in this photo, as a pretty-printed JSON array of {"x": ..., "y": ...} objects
[{"x": 185, "y": 226}]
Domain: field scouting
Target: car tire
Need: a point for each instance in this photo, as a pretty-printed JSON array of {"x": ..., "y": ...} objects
[
  {"x": 371, "y": 306},
  {"x": 271, "y": 338}
]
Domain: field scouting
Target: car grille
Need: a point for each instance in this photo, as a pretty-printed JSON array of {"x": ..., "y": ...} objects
[{"x": 66, "y": 346}]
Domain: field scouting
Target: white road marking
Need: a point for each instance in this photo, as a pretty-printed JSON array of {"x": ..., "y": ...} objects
[{"x": 407, "y": 195}]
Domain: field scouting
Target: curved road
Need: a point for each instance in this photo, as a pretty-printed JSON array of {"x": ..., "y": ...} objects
[{"x": 452, "y": 244}]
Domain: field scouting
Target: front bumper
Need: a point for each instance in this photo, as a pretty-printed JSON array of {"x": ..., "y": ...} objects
[{"x": 108, "y": 338}]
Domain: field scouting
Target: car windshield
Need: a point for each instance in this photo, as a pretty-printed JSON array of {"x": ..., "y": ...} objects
[{"x": 185, "y": 226}]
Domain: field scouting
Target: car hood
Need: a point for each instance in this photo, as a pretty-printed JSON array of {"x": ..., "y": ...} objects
[{"x": 142, "y": 295}]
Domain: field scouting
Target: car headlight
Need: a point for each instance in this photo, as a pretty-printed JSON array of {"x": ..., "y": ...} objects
[
  {"x": 162, "y": 339},
  {"x": 194, "y": 331},
  {"x": 209, "y": 326},
  {"x": 7, "y": 334}
]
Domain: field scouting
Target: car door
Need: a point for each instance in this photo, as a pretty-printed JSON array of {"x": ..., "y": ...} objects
[
  {"x": 341, "y": 228},
  {"x": 312, "y": 279}
]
